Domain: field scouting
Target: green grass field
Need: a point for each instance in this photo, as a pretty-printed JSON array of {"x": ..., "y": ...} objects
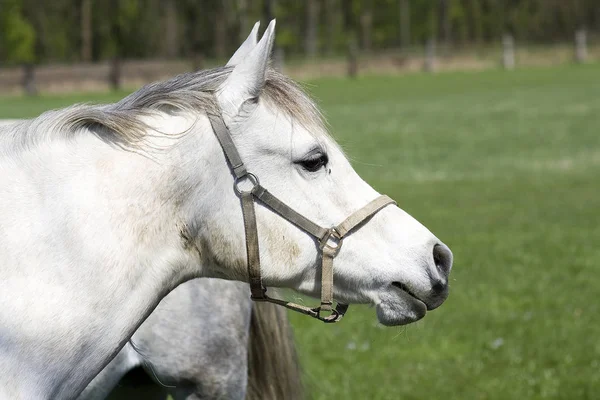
[{"x": 505, "y": 168}]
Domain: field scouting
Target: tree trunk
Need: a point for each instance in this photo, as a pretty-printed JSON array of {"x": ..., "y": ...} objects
[
  {"x": 171, "y": 40},
  {"x": 366, "y": 25},
  {"x": 312, "y": 23},
  {"x": 195, "y": 37},
  {"x": 349, "y": 20},
  {"x": 349, "y": 28},
  {"x": 86, "y": 30},
  {"x": 476, "y": 21},
  {"x": 331, "y": 13},
  {"x": 243, "y": 20},
  {"x": 220, "y": 30},
  {"x": 114, "y": 76},
  {"x": 269, "y": 10},
  {"x": 444, "y": 23},
  {"x": 269, "y": 13},
  {"x": 404, "y": 24}
]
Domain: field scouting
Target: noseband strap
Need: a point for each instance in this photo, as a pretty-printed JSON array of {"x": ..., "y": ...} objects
[{"x": 329, "y": 240}]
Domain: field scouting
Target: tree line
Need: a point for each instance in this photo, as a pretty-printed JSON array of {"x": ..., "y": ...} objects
[{"x": 36, "y": 32}]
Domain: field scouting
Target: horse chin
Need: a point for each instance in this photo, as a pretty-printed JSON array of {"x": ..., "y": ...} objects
[{"x": 396, "y": 307}]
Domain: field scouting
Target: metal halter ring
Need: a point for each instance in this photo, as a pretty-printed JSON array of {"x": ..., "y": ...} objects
[
  {"x": 251, "y": 177},
  {"x": 334, "y": 315},
  {"x": 332, "y": 240}
]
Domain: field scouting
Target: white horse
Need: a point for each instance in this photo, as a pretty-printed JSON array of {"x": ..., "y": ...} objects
[
  {"x": 243, "y": 351},
  {"x": 106, "y": 209},
  {"x": 193, "y": 352},
  {"x": 197, "y": 352},
  {"x": 204, "y": 352}
]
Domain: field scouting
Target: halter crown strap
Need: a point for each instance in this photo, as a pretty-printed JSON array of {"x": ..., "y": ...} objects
[
  {"x": 330, "y": 240},
  {"x": 233, "y": 157}
]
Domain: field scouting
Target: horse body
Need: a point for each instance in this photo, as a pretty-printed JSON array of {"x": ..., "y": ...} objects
[
  {"x": 105, "y": 209},
  {"x": 178, "y": 350},
  {"x": 192, "y": 350},
  {"x": 101, "y": 386},
  {"x": 202, "y": 353}
]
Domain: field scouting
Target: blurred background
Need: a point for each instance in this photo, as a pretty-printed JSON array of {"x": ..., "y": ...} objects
[
  {"x": 64, "y": 45},
  {"x": 480, "y": 117}
]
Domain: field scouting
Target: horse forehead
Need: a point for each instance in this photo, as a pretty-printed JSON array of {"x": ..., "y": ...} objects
[{"x": 271, "y": 128}]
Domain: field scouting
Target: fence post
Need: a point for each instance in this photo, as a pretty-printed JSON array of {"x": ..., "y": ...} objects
[
  {"x": 508, "y": 52},
  {"x": 29, "y": 79},
  {"x": 429, "y": 65},
  {"x": 279, "y": 59},
  {"x": 197, "y": 61},
  {"x": 581, "y": 46},
  {"x": 352, "y": 59},
  {"x": 114, "y": 76}
]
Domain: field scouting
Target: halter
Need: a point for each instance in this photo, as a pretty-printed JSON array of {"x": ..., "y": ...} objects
[{"x": 329, "y": 239}]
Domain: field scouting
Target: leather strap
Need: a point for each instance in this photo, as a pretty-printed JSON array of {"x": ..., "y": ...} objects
[
  {"x": 327, "y": 279},
  {"x": 338, "y": 233},
  {"x": 362, "y": 215},
  {"x": 233, "y": 157},
  {"x": 257, "y": 289},
  {"x": 330, "y": 240},
  {"x": 335, "y": 315},
  {"x": 288, "y": 213}
]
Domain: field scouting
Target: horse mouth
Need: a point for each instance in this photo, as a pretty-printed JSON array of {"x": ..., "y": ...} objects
[
  {"x": 400, "y": 306},
  {"x": 407, "y": 290}
]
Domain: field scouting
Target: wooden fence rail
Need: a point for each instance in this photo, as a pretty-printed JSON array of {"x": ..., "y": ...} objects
[{"x": 114, "y": 74}]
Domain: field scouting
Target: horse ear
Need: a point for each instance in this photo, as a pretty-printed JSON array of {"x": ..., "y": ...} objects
[
  {"x": 248, "y": 77},
  {"x": 246, "y": 47}
]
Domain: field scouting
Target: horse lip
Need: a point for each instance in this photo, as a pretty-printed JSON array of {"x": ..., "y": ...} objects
[
  {"x": 404, "y": 288},
  {"x": 407, "y": 290}
]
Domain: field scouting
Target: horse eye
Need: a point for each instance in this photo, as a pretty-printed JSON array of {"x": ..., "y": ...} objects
[{"x": 314, "y": 164}]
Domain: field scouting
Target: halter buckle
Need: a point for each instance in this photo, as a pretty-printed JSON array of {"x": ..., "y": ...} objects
[
  {"x": 248, "y": 176},
  {"x": 332, "y": 241}
]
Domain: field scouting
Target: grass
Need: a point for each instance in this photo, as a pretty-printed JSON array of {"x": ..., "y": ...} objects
[{"x": 505, "y": 168}]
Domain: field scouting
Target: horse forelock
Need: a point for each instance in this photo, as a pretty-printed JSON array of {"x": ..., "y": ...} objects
[{"x": 123, "y": 122}]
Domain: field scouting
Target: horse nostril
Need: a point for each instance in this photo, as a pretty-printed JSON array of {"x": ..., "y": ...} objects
[
  {"x": 438, "y": 287},
  {"x": 442, "y": 257}
]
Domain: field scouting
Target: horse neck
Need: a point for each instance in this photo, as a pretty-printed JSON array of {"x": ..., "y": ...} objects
[{"x": 108, "y": 248}]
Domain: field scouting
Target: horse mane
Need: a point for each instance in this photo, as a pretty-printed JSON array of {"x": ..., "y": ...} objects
[
  {"x": 274, "y": 370},
  {"x": 122, "y": 122}
]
